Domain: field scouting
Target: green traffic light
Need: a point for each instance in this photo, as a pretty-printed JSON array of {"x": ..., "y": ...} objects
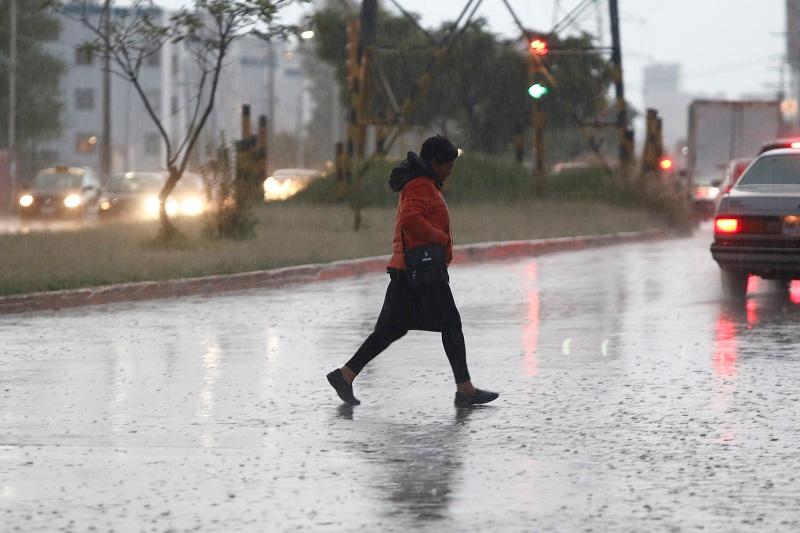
[{"x": 537, "y": 90}]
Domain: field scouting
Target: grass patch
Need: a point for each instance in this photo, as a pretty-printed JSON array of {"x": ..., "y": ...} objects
[
  {"x": 287, "y": 234},
  {"x": 480, "y": 178}
]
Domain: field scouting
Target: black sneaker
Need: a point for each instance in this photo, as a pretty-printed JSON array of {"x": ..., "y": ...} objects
[
  {"x": 480, "y": 396},
  {"x": 342, "y": 387}
]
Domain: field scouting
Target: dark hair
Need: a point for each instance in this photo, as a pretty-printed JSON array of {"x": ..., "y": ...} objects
[{"x": 439, "y": 149}]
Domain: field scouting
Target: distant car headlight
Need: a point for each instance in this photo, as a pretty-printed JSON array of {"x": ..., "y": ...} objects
[
  {"x": 172, "y": 207},
  {"x": 151, "y": 206},
  {"x": 26, "y": 200},
  {"x": 72, "y": 201},
  {"x": 192, "y": 206},
  {"x": 105, "y": 204},
  {"x": 273, "y": 189}
]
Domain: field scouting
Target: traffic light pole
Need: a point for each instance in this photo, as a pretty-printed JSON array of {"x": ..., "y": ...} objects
[
  {"x": 536, "y": 69},
  {"x": 538, "y": 123}
]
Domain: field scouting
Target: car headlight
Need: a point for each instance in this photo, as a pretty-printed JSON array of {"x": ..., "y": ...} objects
[
  {"x": 151, "y": 206},
  {"x": 192, "y": 206},
  {"x": 105, "y": 204},
  {"x": 172, "y": 207},
  {"x": 72, "y": 201},
  {"x": 273, "y": 189},
  {"x": 26, "y": 200}
]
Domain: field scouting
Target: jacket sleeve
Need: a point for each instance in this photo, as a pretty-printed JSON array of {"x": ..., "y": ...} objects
[{"x": 414, "y": 205}]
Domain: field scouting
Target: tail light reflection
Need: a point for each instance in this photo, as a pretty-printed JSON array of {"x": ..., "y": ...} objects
[
  {"x": 725, "y": 349},
  {"x": 530, "y": 336}
]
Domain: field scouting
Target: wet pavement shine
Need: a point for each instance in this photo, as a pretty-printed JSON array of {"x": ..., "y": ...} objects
[{"x": 633, "y": 399}]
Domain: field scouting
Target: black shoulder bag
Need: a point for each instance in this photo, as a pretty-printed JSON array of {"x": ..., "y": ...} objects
[{"x": 425, "y": 265}]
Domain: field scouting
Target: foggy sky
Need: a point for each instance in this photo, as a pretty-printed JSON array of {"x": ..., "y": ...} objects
[{"x": 725, "y": 46}]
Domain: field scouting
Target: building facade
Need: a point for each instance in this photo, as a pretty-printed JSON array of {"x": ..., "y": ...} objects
[
  {"x": 267, "y": 76},
  {"x": 663, "y": 91},
  {"x": 135, "y": 140}
]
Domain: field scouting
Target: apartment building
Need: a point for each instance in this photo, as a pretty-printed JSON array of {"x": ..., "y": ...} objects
[{"x": 268, "y": 76}]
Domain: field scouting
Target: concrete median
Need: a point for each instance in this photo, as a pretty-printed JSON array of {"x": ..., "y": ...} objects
[{"x": 151, "y": 290}]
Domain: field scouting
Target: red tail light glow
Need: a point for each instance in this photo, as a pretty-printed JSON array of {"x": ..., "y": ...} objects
[
  {"x": 795, "y": 144},
  {"x": 726, "y": 225}
]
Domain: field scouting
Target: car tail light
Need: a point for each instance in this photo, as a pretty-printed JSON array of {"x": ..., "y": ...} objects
[
  {"x": 727, "y": 225},
  {"x": 795, "y": 144}
]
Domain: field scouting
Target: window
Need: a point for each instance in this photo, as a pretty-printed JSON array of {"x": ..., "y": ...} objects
[
  {"x": 85, "y": 143},
  {"x": 84, "y": 98},
  {"x": 152, "y": 143},
  {"x": 773, "y": 170},
  {"x": 83, "y": 56}
]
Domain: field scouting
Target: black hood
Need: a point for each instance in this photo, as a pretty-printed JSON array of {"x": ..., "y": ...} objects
[{"x": 411, "y": 167}]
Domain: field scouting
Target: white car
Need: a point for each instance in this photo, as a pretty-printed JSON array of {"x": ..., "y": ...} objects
[
  {"x": 757, "y": 223},
  {"x": 286, "y": 182}
]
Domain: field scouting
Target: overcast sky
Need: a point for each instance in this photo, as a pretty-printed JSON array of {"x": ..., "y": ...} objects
[{"x": 725, "y": 46}]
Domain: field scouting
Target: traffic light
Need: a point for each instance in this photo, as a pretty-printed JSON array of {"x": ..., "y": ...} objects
[
  {"x": 665, "y": 163},
  {"x": 538, "y": 90},
  {"x": 538, "y": 46}
]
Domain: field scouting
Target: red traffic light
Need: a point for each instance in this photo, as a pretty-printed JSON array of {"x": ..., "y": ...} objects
[
  {"x": 538, "y": 47},
  {"x": 665, "y": 164}
]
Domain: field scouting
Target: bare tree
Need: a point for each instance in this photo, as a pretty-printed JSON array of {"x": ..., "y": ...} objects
[{"x": 206, "y": 29}]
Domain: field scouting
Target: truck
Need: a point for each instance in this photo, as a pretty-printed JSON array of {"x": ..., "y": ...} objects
[{"x": 719, "y": 132}]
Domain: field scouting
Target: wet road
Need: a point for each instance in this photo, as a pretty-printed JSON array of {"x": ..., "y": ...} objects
[{"x": 633, "y": 399}]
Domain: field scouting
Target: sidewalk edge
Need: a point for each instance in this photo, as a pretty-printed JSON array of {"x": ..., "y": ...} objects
[{"x": 151, "y": 290}]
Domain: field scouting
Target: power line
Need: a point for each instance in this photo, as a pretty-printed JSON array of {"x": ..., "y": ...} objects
[
  {"x": 571, "y": 17},
  {"x": 661, "y": 80}
]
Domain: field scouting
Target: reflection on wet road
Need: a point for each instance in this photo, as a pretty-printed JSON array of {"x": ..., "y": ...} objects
[
  {"x": 633, "y": 398},
  {"x": 13, "y": 225}
]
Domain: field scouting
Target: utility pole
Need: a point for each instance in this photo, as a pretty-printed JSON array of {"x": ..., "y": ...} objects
[
  {"x": 271, "y": 103},
  {"x": 360, "y": 52},
  {"x": 625, "y": 137},
  {"x": 12, "y": 103},
  {"x": 105, "y": 139}
]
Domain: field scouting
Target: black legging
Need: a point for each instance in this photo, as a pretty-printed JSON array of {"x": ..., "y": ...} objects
[{"x": 404, "y": 309}]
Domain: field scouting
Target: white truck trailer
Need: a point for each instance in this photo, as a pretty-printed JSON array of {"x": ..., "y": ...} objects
[{"x": 723, "y": 130}]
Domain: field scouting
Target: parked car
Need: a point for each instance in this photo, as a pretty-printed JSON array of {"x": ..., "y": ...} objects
[
  {"x": 286, "y": 182},
  {"x": 757, "y": 223},
  {"x": 60, "y": 192},
  {"x": 135, "y": 195}
]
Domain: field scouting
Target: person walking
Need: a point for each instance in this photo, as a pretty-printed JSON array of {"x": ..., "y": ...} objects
[{"x": 418, "y": 296}]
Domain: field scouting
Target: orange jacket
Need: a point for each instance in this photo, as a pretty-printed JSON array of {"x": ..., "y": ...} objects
[{"x": 422, "y": 219}]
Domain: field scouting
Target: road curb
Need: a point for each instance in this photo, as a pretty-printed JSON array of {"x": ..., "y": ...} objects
[{"x": 152, "y": 290}]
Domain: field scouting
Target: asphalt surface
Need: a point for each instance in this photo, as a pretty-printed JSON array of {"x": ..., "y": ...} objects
[{"x": 633, "y": 399}]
